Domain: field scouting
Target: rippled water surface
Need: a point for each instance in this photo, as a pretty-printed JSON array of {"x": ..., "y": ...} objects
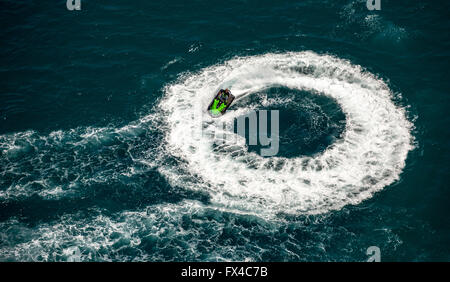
[{"x": 106, "y": 151}]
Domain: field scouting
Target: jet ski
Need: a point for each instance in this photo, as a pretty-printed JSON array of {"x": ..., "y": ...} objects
[{"x": 221, "y": 102}]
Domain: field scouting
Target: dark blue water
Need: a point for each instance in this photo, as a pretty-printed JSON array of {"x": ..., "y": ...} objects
[{"x": 87, "y": 171}]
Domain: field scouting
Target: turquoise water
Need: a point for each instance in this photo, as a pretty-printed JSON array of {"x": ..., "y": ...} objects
[{"x": 99, "y": 160}]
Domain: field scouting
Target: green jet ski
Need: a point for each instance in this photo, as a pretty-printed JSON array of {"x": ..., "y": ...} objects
[{"x": 221, "y": 102}]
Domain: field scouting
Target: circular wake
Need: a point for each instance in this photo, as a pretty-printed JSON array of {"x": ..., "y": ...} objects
[{"x": 369, "y": 155}]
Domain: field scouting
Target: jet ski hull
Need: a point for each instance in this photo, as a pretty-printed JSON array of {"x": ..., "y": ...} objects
[{"x": 218, "y": 107}]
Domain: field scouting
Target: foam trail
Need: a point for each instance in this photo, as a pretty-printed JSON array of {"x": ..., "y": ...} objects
[
  {"x": 66, "y": 163},
  {"x": 370, "y": 155}
]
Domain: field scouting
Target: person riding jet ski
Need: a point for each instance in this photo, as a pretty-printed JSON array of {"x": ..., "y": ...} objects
[{"x": 221, "y": 102}]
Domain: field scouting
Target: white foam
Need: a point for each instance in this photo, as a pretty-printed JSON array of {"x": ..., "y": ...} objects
[
  {"x": 77, "y": 237},
  {"x": 370, "y": 155}
]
